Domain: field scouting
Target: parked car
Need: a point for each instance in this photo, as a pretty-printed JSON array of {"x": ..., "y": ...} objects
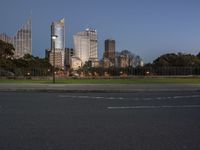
[{"x": 7, "y": 74}]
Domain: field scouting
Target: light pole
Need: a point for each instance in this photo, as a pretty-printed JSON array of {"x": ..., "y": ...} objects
[{"x": 53, "y": 37}]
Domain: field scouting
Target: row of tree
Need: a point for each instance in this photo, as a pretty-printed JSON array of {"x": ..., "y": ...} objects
[
  {"x": 174, "y": 64},
  {"x": 167, "y": 64},
  {"x": 177, "y": 60},
  {"x": 26, "y": 65}
]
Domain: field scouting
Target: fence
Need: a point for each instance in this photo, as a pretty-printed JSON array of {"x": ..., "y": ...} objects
[{"x": 46, "y": 73}]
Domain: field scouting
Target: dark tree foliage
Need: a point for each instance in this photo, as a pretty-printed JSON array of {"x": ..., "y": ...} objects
[
  {"x": 6, "y": 50},
  {"x": 175, "y": 64},
  {"x": 6, "y": 55},
  {"x": 35, "y": 66},
  {"x": 198, "y": 55},
  {"x": 177, "y": 60},
  {"x": 27, "y": 64},
  {"x": 29, "y": 61}
]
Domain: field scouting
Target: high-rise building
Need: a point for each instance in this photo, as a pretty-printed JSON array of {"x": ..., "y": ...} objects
[
  {"x": 22, "y": 41},
  {"x": 109, "y": 49},
  {"x": 58, "y": 29},
  {"x": 75, "y": 63},
  {"x": 58, "y": 59},
  {"x": 4, "y": 37},
  {"x": 85, "y": 45},
  {"x": 69, "y": 53}
]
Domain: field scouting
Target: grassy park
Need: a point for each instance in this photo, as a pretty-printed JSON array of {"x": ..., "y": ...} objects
[{"x": 133, "y": 80}]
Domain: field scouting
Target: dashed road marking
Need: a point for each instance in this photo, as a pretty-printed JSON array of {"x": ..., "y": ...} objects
[
  {"x": 134, "y": 99},
  {"x": 154, "y": 107},
  {"x": 93, "y": 97}
]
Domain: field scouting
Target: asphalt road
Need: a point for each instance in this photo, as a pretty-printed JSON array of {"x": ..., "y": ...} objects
[
  {"x": 105, "y": 88},
  {"x": 100, "y": 121}
]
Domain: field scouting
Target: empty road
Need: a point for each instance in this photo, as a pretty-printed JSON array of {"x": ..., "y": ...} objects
[{"x": 100, "y": 121}]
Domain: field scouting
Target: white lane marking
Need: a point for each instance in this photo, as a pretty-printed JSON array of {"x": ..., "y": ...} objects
[
  {"x": 154, "y": 107},
  {"x": 83, "y": 96},
  {"x": 98, "y": 97},
  {"x": 93, "y": 97},
  {"x": 189, "y": 96},
  {"x": 134, "y": 99}
]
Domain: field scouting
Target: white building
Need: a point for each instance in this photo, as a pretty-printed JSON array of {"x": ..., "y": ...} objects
[
  {"x": 75, "y": 63},
  {"x": 85, "y": 45}
]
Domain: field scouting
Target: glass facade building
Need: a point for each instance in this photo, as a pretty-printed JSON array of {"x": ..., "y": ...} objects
[{"x": 58, "y": 29}]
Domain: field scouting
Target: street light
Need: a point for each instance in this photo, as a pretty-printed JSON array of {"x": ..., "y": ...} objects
[{"x": 53, "y": 37}]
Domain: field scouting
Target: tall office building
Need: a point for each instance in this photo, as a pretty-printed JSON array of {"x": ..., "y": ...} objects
[
  {"x": 4, "y": 37},
  {"x": 69, "y": 53},
  {"x": 58, "y": 29},
  {"x": 110, "y": 50},
  {"x": 22, "y": 41},
  {"x": 85, "y": 45}
]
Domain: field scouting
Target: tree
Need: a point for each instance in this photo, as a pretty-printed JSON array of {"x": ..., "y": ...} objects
[
  {"x": 176, "y": 60},
  {"x": 198, "y": 55},
  {"x": 133, "y": 60},
  {"x": 6, "y": 50}
]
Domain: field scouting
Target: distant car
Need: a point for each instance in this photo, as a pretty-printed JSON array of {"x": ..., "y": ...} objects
[
  {"x": 74, "y": 75},
  {"x": 7, "y": 74}
]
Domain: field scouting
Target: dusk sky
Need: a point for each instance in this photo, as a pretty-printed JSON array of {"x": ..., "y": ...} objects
[{"x": 147, "y": 28}]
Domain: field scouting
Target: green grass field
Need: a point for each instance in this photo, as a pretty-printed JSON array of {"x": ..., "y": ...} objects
[{"x": 136, "y": 80}]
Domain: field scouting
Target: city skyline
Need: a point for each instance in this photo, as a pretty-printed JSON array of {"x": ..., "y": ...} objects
[{"x": 147, "y": 29}]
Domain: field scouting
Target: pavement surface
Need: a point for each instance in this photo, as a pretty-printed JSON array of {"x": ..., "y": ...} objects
[
  {"x": 126, "y": 88},
  {"x": 100, "y": 121}
]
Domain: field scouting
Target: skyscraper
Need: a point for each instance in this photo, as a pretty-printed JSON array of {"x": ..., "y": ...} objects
[
  {"x": 110, "y": 50},
  {"x": 85, "y": 45},
  {"x": 22, "y": 41},
  {"x": 69, "y": 53},
  {"x": 4, "y": 37},
  {"x": 58, "y": 29}
]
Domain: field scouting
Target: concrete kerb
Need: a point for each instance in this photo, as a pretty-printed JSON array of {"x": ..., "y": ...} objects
[{"x": 100, "y": 88}]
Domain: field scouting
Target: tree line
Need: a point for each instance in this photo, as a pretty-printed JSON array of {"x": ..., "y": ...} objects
[
  {"x": 177, "y": 60},
  {"x": 174, "y": 64},
  {"x": 27, "y": 65},
  {"x": 167, "y": 64}
]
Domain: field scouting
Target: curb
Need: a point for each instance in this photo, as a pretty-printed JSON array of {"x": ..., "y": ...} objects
[{"x": 98, "y": 88}]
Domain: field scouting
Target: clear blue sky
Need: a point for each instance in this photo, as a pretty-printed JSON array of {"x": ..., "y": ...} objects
[{"x": 148, "y": 28}]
